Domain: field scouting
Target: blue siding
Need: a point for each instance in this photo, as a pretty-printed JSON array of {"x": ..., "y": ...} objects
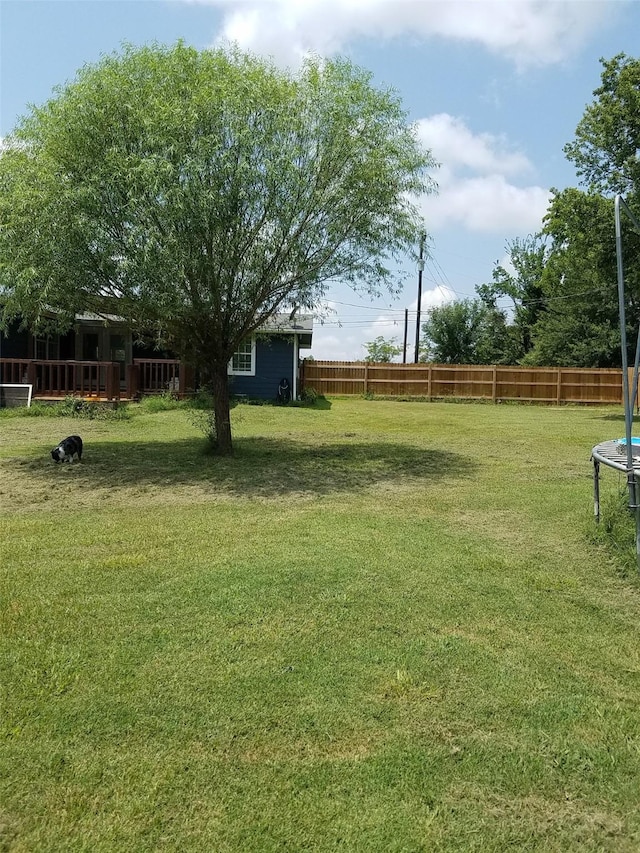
[{"x": 274, "y": 361}]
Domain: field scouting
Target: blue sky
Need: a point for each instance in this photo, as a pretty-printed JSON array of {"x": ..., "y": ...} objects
[{"x": 496, "y": 88}]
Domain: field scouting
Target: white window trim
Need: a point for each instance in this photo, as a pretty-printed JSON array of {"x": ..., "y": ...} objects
[
  {"x": 51, "y": 346},
  {"x": 252, "y": 371}
]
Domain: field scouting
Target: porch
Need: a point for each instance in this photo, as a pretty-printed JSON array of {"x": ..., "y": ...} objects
[{"x": 97, "y": 380}]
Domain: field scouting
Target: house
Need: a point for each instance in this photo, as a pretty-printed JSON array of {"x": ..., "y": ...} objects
[{"x": 98, "y": 358}]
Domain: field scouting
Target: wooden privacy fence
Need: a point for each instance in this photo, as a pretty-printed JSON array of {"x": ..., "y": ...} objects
[{"x": 475, "y": 382}]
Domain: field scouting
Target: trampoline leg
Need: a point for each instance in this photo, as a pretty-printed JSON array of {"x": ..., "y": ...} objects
[
  {"x": 637, "y": 514},
  {"x": 596, "y": 490}
]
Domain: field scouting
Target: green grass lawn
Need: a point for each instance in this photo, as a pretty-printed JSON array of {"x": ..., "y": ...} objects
[{"x": 380, "y": 626}]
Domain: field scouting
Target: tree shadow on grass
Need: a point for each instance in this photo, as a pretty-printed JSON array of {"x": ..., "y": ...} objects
[
  {"x": 613, "y": 416},
  {"x": 260, "y": 467}
]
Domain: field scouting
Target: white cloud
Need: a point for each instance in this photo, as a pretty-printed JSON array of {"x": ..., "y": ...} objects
[
  {"x": 489, "y": 204},
  {"x": 527, "y": 32},
  {"x": 454, "y": 145},
  {"x": 476, "y": 188}
]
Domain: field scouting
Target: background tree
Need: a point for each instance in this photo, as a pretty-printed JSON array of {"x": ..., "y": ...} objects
[
  {"x": 605, "y": 150},
  {"x": 382, "y": 350},
  {"x": 581, "y": 323},
  {"x": 563, "y": 281},
  {"x": 522, "y": 284},
  {"x": 464, "y": 332},
  {"x": 580, "y": 326},
  {"x": 196, "y": 193}
]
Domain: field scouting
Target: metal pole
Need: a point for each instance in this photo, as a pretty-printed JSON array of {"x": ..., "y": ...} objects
[
  {"x": 296, "y": 358},
  {"x": 628, "y": 411},
  {"x": 634, "y": 382},
  {"x": 628, "y": 414},
  {"x": 596, "y": 490},
  {"x": 406, "y": 329},
  {"x": 423, "y": 237}
]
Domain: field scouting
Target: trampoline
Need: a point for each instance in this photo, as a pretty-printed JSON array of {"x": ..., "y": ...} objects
[{"x": 613, "y": 453}]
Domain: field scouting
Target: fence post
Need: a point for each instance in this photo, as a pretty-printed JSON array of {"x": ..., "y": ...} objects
[
  {"x": 108, "y": 382},
  {"x": 132, "y": 381},
  {"x": 115, "y": 379},
  {"x": 429, "y": 383},
  {"x": 32, "y": 378},
  {"x": 187, "y": 378},
  {"x": 366, "y": 377},
  {"x": 494, "y": 384}
]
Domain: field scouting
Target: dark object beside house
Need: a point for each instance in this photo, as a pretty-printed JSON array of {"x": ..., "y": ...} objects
[{"x": 284, "y": 391}]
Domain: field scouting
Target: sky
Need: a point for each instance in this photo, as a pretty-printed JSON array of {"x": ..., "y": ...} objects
[{"x": 496, "y": 88}]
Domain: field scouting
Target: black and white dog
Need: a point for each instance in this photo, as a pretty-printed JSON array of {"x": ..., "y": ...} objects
[{"x": 70, "y": 448}]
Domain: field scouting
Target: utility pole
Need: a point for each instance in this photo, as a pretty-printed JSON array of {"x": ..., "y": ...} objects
[
  {"x": 423, "y": 237},
  {"x": 406, "y": 327}
]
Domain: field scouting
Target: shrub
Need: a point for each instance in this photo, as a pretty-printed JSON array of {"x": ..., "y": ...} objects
[
  {"x": 37, "y": 409},
  {"x": 70, "y": 407},
  {"x": 164, "y": 402}
]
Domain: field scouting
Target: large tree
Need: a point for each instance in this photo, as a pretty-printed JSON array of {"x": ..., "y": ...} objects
[
  {"x": 382, "y": 350},
  {"x": 465, "y": 332},
  {"x": 522, "y": 284},
  {"x": 196, "y": 193},
  {"x": 605, "y": 149},
  {"x": 581, "y": 324}
]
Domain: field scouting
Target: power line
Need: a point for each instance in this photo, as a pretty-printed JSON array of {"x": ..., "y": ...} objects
[
  {"x": 546, "y": 299},
  {"x": 366, "y": 307}
]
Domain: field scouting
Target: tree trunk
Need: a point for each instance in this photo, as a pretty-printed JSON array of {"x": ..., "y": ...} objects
[{"x": 221, "y": 441}]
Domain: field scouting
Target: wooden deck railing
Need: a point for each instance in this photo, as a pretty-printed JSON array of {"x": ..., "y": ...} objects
[
  {"x": 100, "y": 379},
  {"x": 65, "y": 378},
  {"x": 486, "y": 382},
  {"x": 157, "y": 375}
]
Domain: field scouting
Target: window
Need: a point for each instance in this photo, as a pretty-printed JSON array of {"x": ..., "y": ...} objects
[
  {"x": 46, "y": 348},
  {"x": 243, "y": 362}
]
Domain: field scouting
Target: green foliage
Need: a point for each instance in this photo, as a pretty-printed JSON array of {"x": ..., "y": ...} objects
[
  {"x": 309, "y": 395},
  {"x": 194, "y": 193},
  {"x": 202, "y": 416},
  {"x": 616, "y": 532},
  {"x": 202, "y": 399},
  {"x": 382, "y": 350},
  {"x": 76, "y": 407},
  {"x": 70, "y": 407},
  {"x": 581, "y": 324},
  {"x": 563, "y": 282},
  {"x": 164, "y": 402},
  {"x": 467, "y": 331},
  {"x": 522, "y": 284},
  {"x": 37, "y": 409},
  {"x": 204, "y": 421},
  {"x": 605, "y": 149}
]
